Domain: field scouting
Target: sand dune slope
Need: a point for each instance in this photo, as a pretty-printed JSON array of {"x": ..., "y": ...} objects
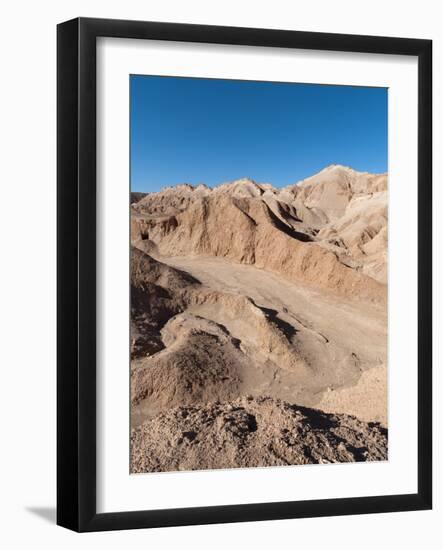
[{"x": 256, "y": 334}]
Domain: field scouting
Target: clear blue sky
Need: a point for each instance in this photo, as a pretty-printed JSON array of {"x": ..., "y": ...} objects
[{"x": 212, "y": 131}]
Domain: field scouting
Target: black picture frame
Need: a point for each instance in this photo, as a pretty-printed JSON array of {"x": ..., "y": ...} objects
[{"x": 76, "y": 280}]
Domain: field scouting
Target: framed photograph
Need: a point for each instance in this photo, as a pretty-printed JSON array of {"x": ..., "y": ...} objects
[{"x": 244, "y": 274}]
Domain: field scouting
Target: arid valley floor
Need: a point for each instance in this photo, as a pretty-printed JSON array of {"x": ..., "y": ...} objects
[{"x": 259, "y": 323}]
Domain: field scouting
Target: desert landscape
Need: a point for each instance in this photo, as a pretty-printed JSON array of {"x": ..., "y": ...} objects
[{"x": 259, "y": 323}]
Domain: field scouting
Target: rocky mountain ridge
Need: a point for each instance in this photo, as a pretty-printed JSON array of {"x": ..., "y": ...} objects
[{"x": 275, "y": 294}]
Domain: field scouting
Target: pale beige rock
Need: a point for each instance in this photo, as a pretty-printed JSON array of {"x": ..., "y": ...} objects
[{"x": 367, "y": 400}]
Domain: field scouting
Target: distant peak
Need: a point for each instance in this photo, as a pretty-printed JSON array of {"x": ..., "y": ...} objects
[
  {"x": 185, "y": 187},
  {"x": 348, "y": 169},
  {"x": 242, "y": 181},
  {"x": 243, "y": 187},
  {"x": 338, "y": 167}
]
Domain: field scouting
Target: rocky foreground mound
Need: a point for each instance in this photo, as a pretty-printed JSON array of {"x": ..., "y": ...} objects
[{"x": 252, "y": 432}]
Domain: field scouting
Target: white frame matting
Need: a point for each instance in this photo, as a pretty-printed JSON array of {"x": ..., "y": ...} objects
[{"x": 117, "y": 490}]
